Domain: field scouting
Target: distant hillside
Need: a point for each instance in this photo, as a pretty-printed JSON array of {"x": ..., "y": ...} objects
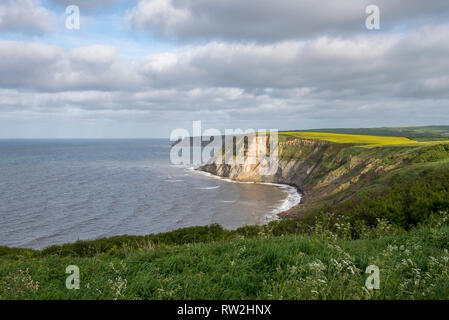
[{"x": 431, "y": 132}]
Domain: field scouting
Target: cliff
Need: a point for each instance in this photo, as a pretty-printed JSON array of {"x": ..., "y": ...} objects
[{"x": 325, "y": 173}]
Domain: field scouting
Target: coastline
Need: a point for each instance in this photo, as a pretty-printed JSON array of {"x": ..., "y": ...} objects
[{"x": 292, "y": 199}]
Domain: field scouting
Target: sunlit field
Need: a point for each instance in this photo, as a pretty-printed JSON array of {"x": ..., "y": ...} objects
[{"x": 365, "y": 141}]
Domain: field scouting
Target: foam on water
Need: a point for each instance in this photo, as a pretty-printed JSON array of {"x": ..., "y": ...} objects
[
  {"x": 292, "y": 199},
  {"x": 208, "y": 188}
]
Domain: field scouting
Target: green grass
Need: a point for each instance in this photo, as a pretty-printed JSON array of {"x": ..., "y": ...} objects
[
  {"x": 405, "y": 198},
  {"x": 412, "y": 266}
]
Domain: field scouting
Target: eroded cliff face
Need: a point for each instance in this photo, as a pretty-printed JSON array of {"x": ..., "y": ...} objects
[
  {"x": 295, "y": 170},
  {"x": 292, "y": 172},
  {"x": 325, "y": 173}
]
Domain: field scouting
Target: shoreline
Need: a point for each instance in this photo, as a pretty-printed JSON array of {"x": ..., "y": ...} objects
[{"x": 292, "y": 199}]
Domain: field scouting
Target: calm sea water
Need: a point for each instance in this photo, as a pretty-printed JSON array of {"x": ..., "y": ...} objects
[{"x": 59, "y": 191}]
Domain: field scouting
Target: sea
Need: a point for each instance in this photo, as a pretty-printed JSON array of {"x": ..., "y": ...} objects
[{"x": 60, "y": 191}]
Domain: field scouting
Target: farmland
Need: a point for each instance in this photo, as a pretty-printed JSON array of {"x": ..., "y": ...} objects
[{"x": 366, "y": 141}]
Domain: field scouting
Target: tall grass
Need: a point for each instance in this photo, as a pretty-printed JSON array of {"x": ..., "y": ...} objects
[{"x": 322, "y": 265}]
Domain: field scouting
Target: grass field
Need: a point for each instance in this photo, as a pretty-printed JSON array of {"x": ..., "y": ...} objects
[
  {"x": 366, "y": 141},
  {"x": 414, "y": 133},
  {"x": 323, "y": 265}
]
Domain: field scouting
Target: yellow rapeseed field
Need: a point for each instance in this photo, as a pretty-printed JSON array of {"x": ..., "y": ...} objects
[{"x": 364, "y": 140}]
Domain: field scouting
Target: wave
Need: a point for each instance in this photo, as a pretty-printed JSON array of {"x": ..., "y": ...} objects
[
  {"x": 208, "y": 188},
  {"x": 293, "y": 199},
  {"x": 207, "y": 174}
]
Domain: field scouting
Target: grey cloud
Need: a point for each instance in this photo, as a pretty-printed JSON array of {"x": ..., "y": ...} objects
[
  {"x": 327, "y": 81},
  {"x": 160, "y": 112},
  {"x": 89, "y": 6},
  {"x": 40, "y": 67},
  {"x": 268, "y": 21},
  {"x": 393, "y": 66}
]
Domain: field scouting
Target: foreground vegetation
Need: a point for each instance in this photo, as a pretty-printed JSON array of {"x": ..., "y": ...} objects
[
  {"x": 321, "y": 265},
  {"x": 385, "y": 206}
]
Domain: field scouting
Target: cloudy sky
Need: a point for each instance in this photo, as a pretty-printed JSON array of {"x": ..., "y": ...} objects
[{"x": 143, "y": 68}]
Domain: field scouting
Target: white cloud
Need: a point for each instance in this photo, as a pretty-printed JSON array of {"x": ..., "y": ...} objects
[
  {"x": 40, "y": 67},
  {"x": 25, "y": 16},
  {"x": 160, "y": 12},
  {"x": 94, "y": 55}
]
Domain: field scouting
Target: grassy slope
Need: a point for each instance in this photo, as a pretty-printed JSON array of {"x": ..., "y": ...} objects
[
  {"x": 412, "y": 266},
  {"x": 339, "y": 172},
  {"x": 319, "y": 255}
]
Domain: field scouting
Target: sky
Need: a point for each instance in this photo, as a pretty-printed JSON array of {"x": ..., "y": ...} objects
[{"x": 143, "y": 68}]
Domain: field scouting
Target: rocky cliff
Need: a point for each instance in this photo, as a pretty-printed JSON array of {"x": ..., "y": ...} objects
[{"x": 325, "y": 173}]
